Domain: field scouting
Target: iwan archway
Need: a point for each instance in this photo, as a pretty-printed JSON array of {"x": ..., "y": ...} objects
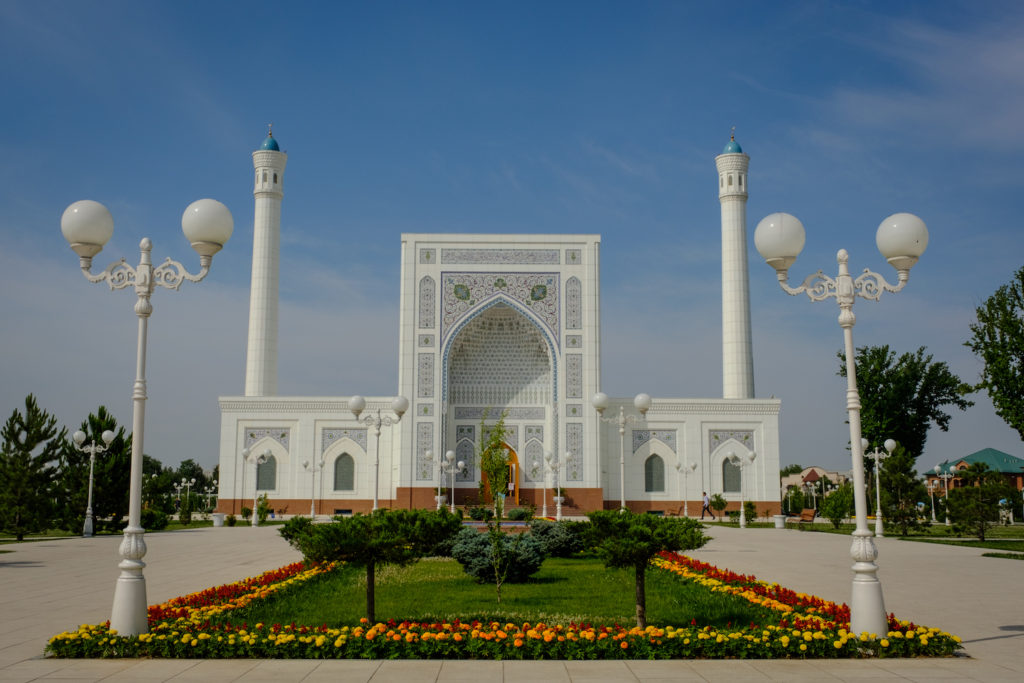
[{"x": 500, "y": 359}]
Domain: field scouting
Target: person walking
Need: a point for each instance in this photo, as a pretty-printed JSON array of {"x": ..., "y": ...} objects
[{"x": 707, "y": 507}]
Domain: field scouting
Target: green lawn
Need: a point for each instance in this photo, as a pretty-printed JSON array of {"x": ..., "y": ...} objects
[{"x": 564, "y": 590}]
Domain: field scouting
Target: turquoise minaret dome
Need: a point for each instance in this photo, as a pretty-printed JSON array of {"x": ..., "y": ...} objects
[
  {"x": 731, "y": 147},
  {"x": 271, "y": 144}
]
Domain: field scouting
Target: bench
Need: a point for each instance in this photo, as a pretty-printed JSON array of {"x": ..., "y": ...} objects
[{"x": 806, "y": 516}]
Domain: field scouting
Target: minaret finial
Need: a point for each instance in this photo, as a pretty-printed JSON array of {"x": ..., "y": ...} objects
[
  {"x": 732, "y": 134},
  {"x": 270, "y": 130}
]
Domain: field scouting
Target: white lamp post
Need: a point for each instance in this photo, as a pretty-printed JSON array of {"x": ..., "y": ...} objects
[
  {"x": 399, "y": 405},
  {"x": 92, "y": 449},
  {"x": 684, "y": 467},
  {"x": 188, "y": 484},
  {"x": 945, "y": 477},
  {"x": 901, "y": 238},
  {"x": 931, "y": 493},
  {"x": 878, "y": 455},
  {"x": 553, "y": 464},
  {"x": 312, "y": 468},
  {"x": 542, "y": 467},
  {"x": 256, "y": 459},
  {"x": 87, "y": 226},
  {"x": 742, "y": 461},
  {"x": 642, "y": 402},
  {"x": 209, "y": 490},
  {"x": 447, "y": 465}
]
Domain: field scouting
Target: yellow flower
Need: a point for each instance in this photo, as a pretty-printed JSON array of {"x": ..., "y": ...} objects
[{"x": 884, "y": 642}]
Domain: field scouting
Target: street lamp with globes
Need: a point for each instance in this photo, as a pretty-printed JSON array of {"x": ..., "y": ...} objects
[
  {"x": 446, "y": 465},
  {"x": 88, "y": 226},
  {"x": 399, "y": 405},
  {"x": 901, "y": 238},
  {"x": 878, "y": 455},
  {"x": 642, "y": 402},
  {"x": 945, "y": 477},
  {"x": 742, "y": 461},
  {"x": 92, "y": 449},
  {"x": 684, "y": 467},
  {"x": 312, "y": 468}
]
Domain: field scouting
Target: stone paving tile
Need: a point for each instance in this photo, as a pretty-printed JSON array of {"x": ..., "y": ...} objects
[
  {"x": 471, "y": 670},
  {"x": 333, "y": 671}
]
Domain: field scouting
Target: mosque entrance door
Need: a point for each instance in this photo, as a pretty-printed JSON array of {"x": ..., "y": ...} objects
[{"x": 512, "y": 495}]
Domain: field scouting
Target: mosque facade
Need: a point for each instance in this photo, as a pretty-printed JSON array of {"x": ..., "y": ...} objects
[{"x": 490, "y": 325}]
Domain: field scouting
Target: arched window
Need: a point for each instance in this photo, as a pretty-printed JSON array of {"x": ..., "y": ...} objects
[
  {"x": 344, "y": 473},
  {"x": 266, "y": 474},
  {"x": 654, "y": 474},
  {"x": 730, "y": 477}
]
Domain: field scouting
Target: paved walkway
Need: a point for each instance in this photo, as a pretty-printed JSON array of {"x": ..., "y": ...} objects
[{"x": 51, "y": 586}]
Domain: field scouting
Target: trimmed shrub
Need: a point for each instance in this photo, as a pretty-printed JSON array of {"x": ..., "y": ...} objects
[
  {"x": 480, "y": 514},
  {"x": 558, "y": 539},
  {"x": 519, "y": 514},
  {"x": 750, "y": 511},
  {"x": 231, "y": 520},
  {"x": 474, "y": 551},
  {"x": 154, "y": 520}
]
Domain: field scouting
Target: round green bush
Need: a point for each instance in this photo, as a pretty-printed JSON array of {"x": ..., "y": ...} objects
[
  {"x": 519, "y": 514},
  {"x": 557, "y": 539},
  {"x": 154, "y": 520},
  {"x": 474, "y": 551}
]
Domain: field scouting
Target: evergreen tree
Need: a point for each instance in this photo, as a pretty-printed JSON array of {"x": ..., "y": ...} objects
[
  {"x": 974, "y": 507},
  {"x": 626, "y": 540},
  {"x": 31, "y": 447},
  {"x": 110, "y": 476},
  {"x": 838, "y": 505},
  {"x": 997, "y": 338},
  {"x": 902, "y": 490}
]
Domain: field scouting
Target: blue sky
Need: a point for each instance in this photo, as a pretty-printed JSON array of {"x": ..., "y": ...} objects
[{"x": 588, "y": 117}]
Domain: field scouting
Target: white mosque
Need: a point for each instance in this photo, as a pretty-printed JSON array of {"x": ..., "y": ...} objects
[{"x": 492, "y": 324}]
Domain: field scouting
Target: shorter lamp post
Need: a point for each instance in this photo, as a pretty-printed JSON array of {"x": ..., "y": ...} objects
[
  {"x": 92, "y": 449},
  {"x": 256, "y": 459},
  {"x": 399, "y": 405},
  {"x": 931, "y": 493},
  {"x": 209, "y": 490},
  {"x": 312, "y": 468},
  {"x": 685, "y": 468},
  {"x": 945, "y": 477},
  {"x": 879, "y": 456},
  {"x": 447, "y": 465},
  {"x": 742, "y": 461},
  {"x": 177, "y": 490},
  {"x": 642, "y": 402},
  {"x": 542, "y": 467},
  {"x": 188, "y": 484},
  {"x": 553, "y": 464}
]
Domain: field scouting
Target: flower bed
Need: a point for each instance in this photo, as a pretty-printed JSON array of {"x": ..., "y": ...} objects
[{"x": 808, "y": 627}]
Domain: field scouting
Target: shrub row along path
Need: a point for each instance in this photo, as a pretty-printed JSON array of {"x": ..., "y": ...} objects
[{"x": 50, "y": 586}]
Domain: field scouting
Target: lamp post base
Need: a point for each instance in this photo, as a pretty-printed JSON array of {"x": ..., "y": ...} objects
[
  {"x": 867, "y": 608},
  {"x": 129, "y": 615}
]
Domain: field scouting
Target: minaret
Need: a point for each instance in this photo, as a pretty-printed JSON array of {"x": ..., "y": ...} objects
[
  {"x": 261, "y": 354},
  {"x": 737, "y": 349}
]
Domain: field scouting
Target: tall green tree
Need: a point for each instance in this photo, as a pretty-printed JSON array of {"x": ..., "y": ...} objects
[
  {"x": 110, "y": 476},
  {"x": 902, "y": 490},
  {"x": 493, "y": 458},
  {"x": 974, "y": 506},
  {"x": 838, "y": 505},
  {"x": 997, "y": 339},
  {"x": 31, "y": 446},
  {"x": 626, "y": 540},
  {"x": 902, "y": 397},
  {"x": 791, "y": 469},
  {"x": 383, "y": 537}
]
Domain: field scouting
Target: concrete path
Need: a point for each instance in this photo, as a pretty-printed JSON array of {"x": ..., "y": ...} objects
[{"x": 51, "y": 586}]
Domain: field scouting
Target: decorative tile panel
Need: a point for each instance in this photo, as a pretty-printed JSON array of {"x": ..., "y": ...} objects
[
  {"x": 428, "y": 302},
  {"x": 574, "y": 375},
  {"x": 573, "y": 304},
  {"x": 466, "y": 452},
  {"x": 666, "y": 436},
  {"x": 425, "y": 409},
  {"x": 278, "y": 434},
  {"x": 424, "y": 442},
  {"x": 535, "y": 432},
  {"x": 502, "y": 256},
  {"x": 464, "y": 292},
  {"x": 573, "y": 257},
  {"x": 574, "y": 341},
  {"x": 574, "y": 444},
  {"x": 427, "y": 256},
  {"x": 531, "y": 462},
  {"x": 525, "y": 413},
  {"x": 328, "y": 436},
  {"x": 426, "y": 340},
  {"x": 425, "y": 375},
  {"x": 716, "y": 437},
  {"x": 574, "y": 410}
]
